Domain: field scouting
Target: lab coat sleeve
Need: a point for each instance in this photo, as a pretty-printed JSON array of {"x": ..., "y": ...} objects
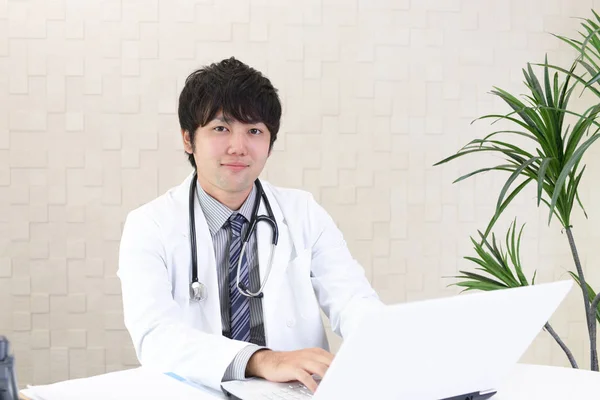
[
  {"x": 154, "y": 320},
  {"x": 339, "y": 281}
]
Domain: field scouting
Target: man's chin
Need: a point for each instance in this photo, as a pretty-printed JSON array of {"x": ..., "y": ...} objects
[{"x": 231, "y": 184}]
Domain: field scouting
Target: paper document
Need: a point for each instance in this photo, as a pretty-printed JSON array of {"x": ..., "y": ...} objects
[{"x": 137, "y": 383}]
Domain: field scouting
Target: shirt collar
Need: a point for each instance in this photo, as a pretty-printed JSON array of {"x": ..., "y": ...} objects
[{"x": 217, "y": 213}]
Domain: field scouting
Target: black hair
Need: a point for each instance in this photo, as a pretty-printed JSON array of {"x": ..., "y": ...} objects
[{"x": 239, "y": 91}]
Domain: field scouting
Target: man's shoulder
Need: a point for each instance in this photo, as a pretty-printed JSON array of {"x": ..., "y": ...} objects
[
  {"x": 160, "y": 208},
  {"x": 287, "y": 194},
  {"x": 297, "y": 205}
]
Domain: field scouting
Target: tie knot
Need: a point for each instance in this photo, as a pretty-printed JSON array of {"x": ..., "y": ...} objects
[{"x": 237, "y": 222}]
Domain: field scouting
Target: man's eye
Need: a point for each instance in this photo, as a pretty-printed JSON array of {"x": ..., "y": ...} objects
[
  {"x": 220, "y": 128},
  {"x": 255, "y": 131}
]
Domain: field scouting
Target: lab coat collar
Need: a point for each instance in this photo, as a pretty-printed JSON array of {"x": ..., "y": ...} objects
[{"x": 181, "y": 197}]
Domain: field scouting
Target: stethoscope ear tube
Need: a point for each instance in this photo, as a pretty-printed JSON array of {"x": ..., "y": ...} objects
[
  {"x": 269, "y": 218},
  {"x": 197, "y": 289},
  {"x": 193, "y": 230}
]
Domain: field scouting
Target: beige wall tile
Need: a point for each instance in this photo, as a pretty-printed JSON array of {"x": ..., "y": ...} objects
[{"x": 374, "y": 92}]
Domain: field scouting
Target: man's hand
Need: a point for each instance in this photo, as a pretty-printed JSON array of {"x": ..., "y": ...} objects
[{"x": 285, "y": 366}]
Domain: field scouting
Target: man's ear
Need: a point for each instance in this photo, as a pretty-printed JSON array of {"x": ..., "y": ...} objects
[{"x": 187, "y": 141}]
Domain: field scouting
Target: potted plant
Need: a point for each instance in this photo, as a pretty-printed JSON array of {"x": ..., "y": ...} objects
[{"x": 551, "y": 160}]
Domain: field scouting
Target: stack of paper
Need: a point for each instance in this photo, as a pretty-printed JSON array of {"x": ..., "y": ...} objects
[{"x": 138, "y": 383}]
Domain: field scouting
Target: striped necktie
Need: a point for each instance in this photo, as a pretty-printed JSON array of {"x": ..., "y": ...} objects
[{"x": 239, "y": 305}]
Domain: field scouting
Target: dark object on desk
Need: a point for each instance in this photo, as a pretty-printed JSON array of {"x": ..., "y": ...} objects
[
  {"x": 8, "y": 378},
  {"x": 473, "y": 396}
]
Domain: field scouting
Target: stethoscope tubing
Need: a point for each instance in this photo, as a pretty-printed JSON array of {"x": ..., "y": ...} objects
[{"x": 198, "y": 289}]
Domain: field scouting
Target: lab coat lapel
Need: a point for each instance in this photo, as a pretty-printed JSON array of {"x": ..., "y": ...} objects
[
  {"x": 210, "y": 308},
  {"x": 281, "y": 258}
]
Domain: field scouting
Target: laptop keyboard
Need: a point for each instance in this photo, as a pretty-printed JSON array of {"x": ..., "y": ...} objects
[{"x": 293, "y": 391}]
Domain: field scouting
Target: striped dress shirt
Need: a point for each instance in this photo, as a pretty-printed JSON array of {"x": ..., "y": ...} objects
[{"x": 217, "y": 216}]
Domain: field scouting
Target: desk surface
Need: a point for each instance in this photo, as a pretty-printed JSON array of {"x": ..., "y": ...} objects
[{"x": 531, "y": 382}]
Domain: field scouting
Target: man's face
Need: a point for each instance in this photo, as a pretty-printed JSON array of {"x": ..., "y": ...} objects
[{"x": 229, "y": 154}]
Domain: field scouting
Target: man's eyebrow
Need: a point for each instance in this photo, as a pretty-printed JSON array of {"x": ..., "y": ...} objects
[{"x": 221, "y": 118}]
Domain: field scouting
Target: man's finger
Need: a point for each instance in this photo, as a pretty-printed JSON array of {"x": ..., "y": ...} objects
[
  {"x": 322, "y": 356},
  {"x": 322, "y": 352},
  {"x": 315, "y": 367},
  {"x": 306, "y": 379}
]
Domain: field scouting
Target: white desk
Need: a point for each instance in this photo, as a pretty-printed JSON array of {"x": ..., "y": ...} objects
[
  {"x": 531, "y": 382},
  {"x": 526, "y": 382}
]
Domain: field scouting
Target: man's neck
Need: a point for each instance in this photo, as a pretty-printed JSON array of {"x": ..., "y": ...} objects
[{"x": 232, "y": 200}]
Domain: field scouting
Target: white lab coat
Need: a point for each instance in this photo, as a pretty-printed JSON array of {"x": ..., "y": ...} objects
[{"x": 312, "y": 267}]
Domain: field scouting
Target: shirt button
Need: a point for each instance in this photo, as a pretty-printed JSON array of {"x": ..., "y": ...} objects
[{"x": 290, "y": 323}]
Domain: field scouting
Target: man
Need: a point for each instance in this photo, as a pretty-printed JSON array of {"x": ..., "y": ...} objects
[{"x": 222, "y": 328}]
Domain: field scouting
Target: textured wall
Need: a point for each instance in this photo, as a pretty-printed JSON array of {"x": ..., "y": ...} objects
[{"x": 374, "y": 93}]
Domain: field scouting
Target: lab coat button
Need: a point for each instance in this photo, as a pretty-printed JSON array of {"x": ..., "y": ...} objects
[{"x": 290, "y": 322}]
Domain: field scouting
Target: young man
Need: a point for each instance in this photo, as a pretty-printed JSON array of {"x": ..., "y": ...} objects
[{"x": 193, "y": 295}]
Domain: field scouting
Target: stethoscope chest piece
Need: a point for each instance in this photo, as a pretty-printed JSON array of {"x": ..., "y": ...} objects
[{"x": 198, "y": 291}]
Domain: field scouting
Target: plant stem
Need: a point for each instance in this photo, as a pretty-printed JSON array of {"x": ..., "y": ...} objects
[
  {"x": 591, "y": 321},
  {"x": 562, "y": 345}
]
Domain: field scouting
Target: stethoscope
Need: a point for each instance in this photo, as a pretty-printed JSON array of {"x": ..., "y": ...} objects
[{"x": 198, "y": 289}]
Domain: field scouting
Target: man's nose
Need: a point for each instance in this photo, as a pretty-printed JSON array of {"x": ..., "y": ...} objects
[{"x": 237, "y": 144}]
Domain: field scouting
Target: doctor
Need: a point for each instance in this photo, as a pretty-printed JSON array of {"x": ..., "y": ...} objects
[{"x": 203, "y": 300}]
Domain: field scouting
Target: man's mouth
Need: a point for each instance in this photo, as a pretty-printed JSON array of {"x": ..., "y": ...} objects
[{"x": 235, "y": 166}]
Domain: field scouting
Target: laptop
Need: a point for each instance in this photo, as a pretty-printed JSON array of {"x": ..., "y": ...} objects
[{"x": 459, "y": 347}]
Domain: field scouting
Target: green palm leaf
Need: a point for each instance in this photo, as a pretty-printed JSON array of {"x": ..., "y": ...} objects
[
  {"x": 556, "y": 151},
  {"x": 497, "y": 265},
  {"x": 566, "y": 170}
]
